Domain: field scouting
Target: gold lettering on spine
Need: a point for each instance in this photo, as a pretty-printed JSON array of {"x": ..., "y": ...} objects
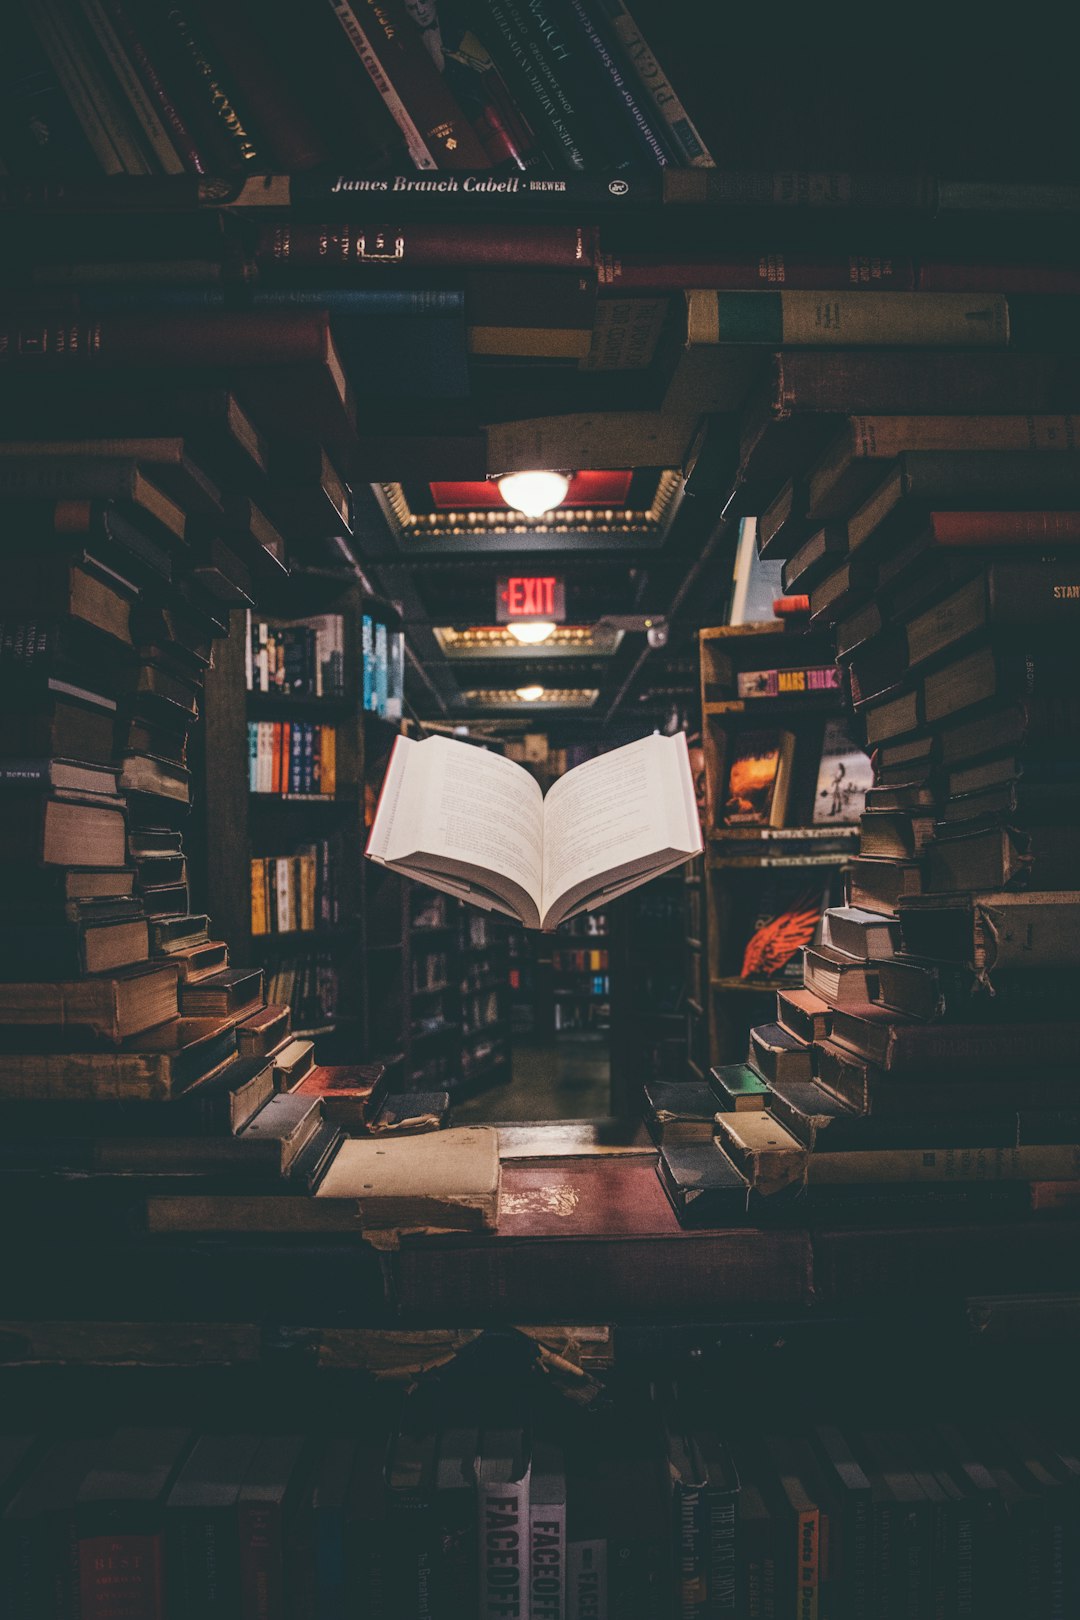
[{"x": 220, "y": 100}]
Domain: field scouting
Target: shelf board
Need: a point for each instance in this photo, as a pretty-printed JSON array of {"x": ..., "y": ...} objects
[
  {"x": 751, "y": 863},
  {"x": 752, "y": 986},
  {"x": 812, "y": 702},
  {"x": 298, "y": 700},
  {"x": 779, "y": 835},
  {"x": 302, "y": 798},
  {"x": 756, "y": 627}
]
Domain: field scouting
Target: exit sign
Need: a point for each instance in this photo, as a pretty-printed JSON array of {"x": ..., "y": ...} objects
[{"x": 530, "y": 596}]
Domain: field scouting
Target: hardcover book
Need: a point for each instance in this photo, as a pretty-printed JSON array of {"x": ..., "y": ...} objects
[{"x": 467, "y": 821}]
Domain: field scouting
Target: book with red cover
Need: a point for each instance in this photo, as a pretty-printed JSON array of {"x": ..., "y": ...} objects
[
  {"x": 763, "y": 272},
  {"x": 581, "y": 1237},
  {"x": 385, "y": 38},
  {"x": 461, "y": 246},
  {"x": 119, "y": 1524},
  {"x": 1003, "y": 528}
]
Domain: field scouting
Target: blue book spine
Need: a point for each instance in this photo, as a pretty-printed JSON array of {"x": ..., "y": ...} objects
[
  {"x": 382, "y": 670},
  {"x": 253, "y": 756},
  {"x": 310, "y": 785},
  {"x": 296, "y": 759},
  {"x": 367, "y": 652},
  {"x": 363, "y": 300},
  {"x": 329, "y": 1565}
]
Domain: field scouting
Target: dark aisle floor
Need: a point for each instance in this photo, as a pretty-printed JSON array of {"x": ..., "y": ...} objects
[{"x": 566, "y": 1079}]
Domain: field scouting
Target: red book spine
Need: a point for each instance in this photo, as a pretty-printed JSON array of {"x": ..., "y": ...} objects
[
  {"x": 1004, "y": 528},
  {"x": 187, "y": 147},
  {"x": 766, "y": 272},
  {"x": 295, "y": 141},
  {"x": 120, "y": 1578},
  {"x": 262, "y": 1595},
  {"x": 469, "y": 247},
  {"x": 941, "y": 275},
  {"x": 210, "y": 338},
  {"x": 436, "y": 131},
  {"x": 786, "y": 606}
]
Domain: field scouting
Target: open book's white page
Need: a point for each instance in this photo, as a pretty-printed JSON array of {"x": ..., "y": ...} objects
[
  {"x": 623, "y": 806},
  {"x": 480, "y": 809}
]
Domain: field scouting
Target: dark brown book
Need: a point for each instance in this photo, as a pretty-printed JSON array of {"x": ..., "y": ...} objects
[
  {"x": 351, "y": 1094},
  {"x": 853, "y": 1263},
  {"x": 73, "y": 584},
  {"x": 231, "y": 991},
  {"x": 587, "y": 1236},
  {"x": 63, "y": 829},
  {"x": 165, "y": 461},
  {"x": 264, "y": 1031},
  {"x": 1002, "y": 596},
  {"x": 803, "y": 1013},
  {"x": 95, "y": 478},
  {"x": 112, "y": 1007},
  {"x": 59, "y": 724},
  {"x": 308, "y": 493},
  {"x": 901, "y": 835},
  {"x": 814, "y": 557},
  {"x": 119, "y": 1520},
  {"x": 879, "y": 885},
  {"x": 1042, "y": 856},
  {"x": 901, "y": 1048},
  {"x": 777, "y": 1054}
]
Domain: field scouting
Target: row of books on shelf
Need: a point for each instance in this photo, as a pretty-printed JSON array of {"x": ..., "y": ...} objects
[
  {"x": 480, "y": 1012},
  {"x": 575, "y": 1015},
  {"x": 383, "y": 672},
  {"x": 303, "y": 658},
  {"x": 482, "y": 89},
  {"x": 430, "y": 970},
  {"x": 452, "y": 1502},
  {"x": 292, "y": 756},
  {"x": 294, "y": 893},
  {"x": 759, "y": 776},
  {"x": 588, "y": 925},
  {"x": 591, "y": 961},
  {"x": 307, "y": 983}
]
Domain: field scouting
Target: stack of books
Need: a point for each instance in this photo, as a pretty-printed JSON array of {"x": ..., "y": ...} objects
[{"x": 930, "y": 1060}]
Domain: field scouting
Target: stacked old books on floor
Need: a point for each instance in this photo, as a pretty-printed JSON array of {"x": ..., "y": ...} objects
[
  {"x": 132, "y": 1048},
  {"x": 930, "y": 1060},
  {"x": 458, "y": 1501}
]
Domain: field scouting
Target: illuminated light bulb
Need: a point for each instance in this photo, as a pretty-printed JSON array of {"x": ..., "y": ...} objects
[
  {"x": 530, "y": 694},
  {"x": 533, "y": 633},
  {"x": 533, "y": 493}
]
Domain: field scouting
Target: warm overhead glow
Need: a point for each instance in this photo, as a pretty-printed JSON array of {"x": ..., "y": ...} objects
[
  {"x": 533, "y": 493},
  {"x": 535, "y": 631},
  {"x": 530, "y": 694}
]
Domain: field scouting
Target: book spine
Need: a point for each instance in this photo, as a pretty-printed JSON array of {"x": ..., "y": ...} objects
[
  {"x": 792, "y": 318},
  {"x": 307, "y": 769},
  {"x": 262, "y": 1595},
  {"x": 147, "y": 341},
  {"x": 768, "y": 272},
  {"x": 884, "y": 437},
  {"x": 691, "y": 1547},
  {"x": 523, "y": 63},
  {"x": 807, "y": 1564},
  {"x": 436, "y": 131},
  {"x": 620, "y": 94},
  {"x": 65, "y": 66},
  {"x": 296, "y": 757},
  {"x": 42, "y": 134},
  {"x": 154, "y": 133},
  {"x": 186, "y": 146},
  {"x": 586, "y": 1580},
  {"x": 295, "y": 141},
  {"x": 547, "y": 1561},
  {"x": 253, "y": 756},
  {"x": 681, "y": 131},
  {"x": 1004, "y": 528},
  {"x": 819, "y": 190},
  {"x": 231, "y": 124},
  {"x": 503, "y": 1522},
  {"x": 121, "y": 1576},
  {"x": 721, "y": 1526},
  {"x": 467, "y": 247}
]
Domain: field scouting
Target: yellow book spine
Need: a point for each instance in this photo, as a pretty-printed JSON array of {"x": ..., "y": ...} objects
[{"x": 258, "y": 898}]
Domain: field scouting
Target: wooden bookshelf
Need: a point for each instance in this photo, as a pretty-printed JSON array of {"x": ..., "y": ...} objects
[{"x": 740, "y": 861}]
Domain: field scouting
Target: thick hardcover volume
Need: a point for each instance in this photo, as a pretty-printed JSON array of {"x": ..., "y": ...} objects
[
  {"x": 384, "y": 37},
  {"x": 767, "y": 272},
  {"x": 1003, "y": 528},
  {"x": 468, "y": 247},
  {"x": 928, "y": 320},
  {"x": 278, "y": 338},
  {"x": 620, "y": 94},
  {"x": 677, "y": 122}
]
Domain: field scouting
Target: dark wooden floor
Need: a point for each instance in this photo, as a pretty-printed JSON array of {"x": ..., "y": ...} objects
[{"x": 566, "y": 1079}]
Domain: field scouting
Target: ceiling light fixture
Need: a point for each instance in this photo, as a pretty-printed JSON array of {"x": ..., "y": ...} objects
[
  {"x": 533, "y": 493},
  {"x": 530, "y": 694},
  {"x": 532, "y": 632}
]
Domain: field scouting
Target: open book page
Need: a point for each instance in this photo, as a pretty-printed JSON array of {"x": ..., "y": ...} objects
[
  {"x": 466, "y": 820},
  {"x": 607, "y": 822}
]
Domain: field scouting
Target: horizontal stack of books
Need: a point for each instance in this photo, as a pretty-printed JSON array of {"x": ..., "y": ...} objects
[
  {"x": 459, "y": 1502},
  {"x": 929, "y": 1062}
]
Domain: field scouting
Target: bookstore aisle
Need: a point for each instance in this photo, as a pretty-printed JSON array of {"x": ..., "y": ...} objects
[{"x": 539, "y": 779}]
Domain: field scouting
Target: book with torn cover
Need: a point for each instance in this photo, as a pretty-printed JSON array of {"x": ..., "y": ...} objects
[{"x": 468, "y": 821}]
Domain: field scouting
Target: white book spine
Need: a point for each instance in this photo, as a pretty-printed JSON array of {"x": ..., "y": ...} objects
[
  {"x": 504, "y": 1550},
  {"x": 547, "y": 1561}
]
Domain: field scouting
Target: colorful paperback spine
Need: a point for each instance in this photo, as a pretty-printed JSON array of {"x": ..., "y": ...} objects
[
  {"x": 367, "y": 650},
  {"x": 381, "y": 670},
  {"x": 761, "y": 683}
]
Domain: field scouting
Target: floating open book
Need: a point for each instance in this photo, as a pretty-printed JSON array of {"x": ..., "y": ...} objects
[{"x": 468, "y": 821}]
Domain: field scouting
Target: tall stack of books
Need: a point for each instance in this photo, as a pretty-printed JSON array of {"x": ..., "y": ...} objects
[
  {"x": 130, "y": 1042},
  {"x": 930, "y": 1059}
]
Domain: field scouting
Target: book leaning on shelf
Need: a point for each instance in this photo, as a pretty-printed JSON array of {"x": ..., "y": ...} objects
[{"x": 467, "y": 821}]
